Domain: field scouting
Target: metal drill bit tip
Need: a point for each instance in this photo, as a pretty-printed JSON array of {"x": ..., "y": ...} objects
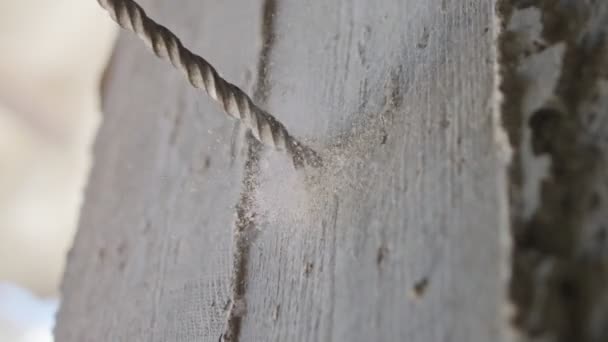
[{"x": 201, "y": 74}]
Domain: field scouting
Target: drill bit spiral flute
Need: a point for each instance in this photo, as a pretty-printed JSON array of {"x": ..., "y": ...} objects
[{"x": 235, "y": 102}]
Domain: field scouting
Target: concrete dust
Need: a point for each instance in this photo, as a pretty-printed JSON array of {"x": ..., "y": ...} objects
[{"x": 348, "y": 167}]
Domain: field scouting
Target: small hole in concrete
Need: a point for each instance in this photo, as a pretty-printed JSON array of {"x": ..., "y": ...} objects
[
  {"x": 419, "y": 288},
  {"x": 308, "y": 268},
  {"x": 381, "y": 255}
]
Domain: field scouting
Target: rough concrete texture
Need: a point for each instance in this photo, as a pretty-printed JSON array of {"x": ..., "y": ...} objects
[
  {"x": 398, "y": 237},
  {"x": 555, "y": 87}
]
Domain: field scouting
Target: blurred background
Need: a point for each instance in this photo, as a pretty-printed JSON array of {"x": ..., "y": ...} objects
[{"x": 53, "y": 56}]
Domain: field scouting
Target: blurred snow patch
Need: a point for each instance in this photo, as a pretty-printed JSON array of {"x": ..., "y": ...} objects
[{"x": 24, "y": 317}]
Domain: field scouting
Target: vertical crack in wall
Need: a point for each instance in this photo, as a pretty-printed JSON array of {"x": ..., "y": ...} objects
[
  {"x": 245, "y": 225},
  {"x": 554, "y": 69}
]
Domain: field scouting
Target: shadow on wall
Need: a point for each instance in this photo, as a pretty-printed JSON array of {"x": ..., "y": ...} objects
[{"x": 53, "y": 54}]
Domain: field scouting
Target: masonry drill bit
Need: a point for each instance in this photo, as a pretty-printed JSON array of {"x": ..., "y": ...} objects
[{"x": 235, "y": 102}]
